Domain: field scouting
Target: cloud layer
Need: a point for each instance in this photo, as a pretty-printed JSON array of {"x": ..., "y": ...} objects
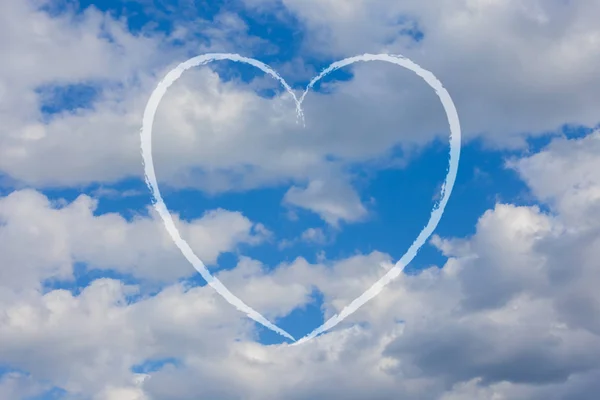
[{"x": 511, "y": 312}]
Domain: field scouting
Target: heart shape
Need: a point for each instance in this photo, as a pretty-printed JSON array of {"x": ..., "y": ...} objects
[{"x": 394, "y": 272}]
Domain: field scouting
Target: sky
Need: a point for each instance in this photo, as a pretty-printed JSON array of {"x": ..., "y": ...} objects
[{"x": 98, "y": 303}]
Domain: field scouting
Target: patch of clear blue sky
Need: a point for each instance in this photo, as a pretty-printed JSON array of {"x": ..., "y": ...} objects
[
  {"x": 397, "y": 216},
  {"x": 156, "y": 364},
  {"x": 54, "y": 393},
  {"x": 69, "y": 97}
]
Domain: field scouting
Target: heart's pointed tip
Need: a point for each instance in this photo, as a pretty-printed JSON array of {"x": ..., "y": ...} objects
[
  {"x": 288, "y": 336},
  {"x": 301, "y": 341}
]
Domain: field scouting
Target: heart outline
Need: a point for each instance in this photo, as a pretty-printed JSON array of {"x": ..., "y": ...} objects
[{"x": 436, "y": 212}]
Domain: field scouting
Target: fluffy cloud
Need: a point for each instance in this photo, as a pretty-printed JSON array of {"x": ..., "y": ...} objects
[
  {"x": 15, "y": 385},
  {"x": 513, "y": 69},
  {"x": 512, "y": 314},
  {"x": 565, "y": 175},
  {"x": 333, "y": 202},
  {"x": 42, "y": 240},
  {"x": 226, "y": 137}
]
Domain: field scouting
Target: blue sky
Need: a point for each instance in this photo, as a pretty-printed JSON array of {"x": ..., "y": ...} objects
[{"x": 381, "y": 182}]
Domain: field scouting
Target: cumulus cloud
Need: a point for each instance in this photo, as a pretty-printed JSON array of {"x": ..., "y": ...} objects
[
  {"x": 513, "y": 312},
  {"x": 15, "y": 385},
  {"x": 503, "y": 318},
  {"x": 210, "y": 134},
  {"x": 513, "y": 69},
  {"x": 65, "y": 234},
  {"x": 332, "y": 202},
  {"x": 565, "y": 175},
  {"x": 507, "y": 316},
  {"x": 226, "y": 137},
  {"x": 314, "y": 235}
]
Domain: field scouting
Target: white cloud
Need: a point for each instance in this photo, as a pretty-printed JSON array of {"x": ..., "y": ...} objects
[
  {"x": 512, "y": 314},
  {"x": 512, "y": 68},
  {"x": 314, "y": 235},
  {"x": 15, "y": 385},
  {"x": 221, "y": 136},
  {"x": 457, "y": 330},
  {"x": 565, "y": 174},
  {"x": 88, "y": 343},
  {"x": 42, "y": 240},
  {"x": 333, "y": 201}
]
